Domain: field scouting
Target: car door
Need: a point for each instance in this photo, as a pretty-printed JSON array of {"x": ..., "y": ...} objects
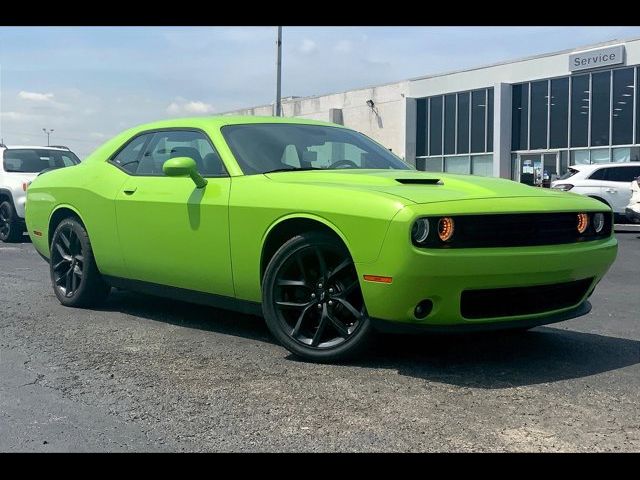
[
  {"x": 171, "y": 232},
  {"x": 616, "y": 186}
]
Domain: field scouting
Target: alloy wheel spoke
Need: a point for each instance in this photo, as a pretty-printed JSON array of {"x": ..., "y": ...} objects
[
  {"x": 67, "y": 284},
  {"x": 60, "y": 263},
  {"x": 301, "y": 267},
  {"x": 66, "y": 241},
  {"x": 345, "y": 263},
  {"x": 62, "y": 252},
  {"x": 321, "y": 262},
  {"x": 350, "y": 307},
  {"x": 74, "y": 281},
  {"x": 319, "y": 332},
  {"x": 293, "y": 283},
  {"x": 349, "y": 288},
  {"x": 284, "y": 304},
  {"x": 296, "y": 329},
  {"x": 338, "y": 325}
]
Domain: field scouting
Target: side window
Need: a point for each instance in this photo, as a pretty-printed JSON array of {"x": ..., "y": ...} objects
[
  {"x": 599, "y": 174},
  {"x": 623, "y": 174},
  {"x": 129, "y": 157},
  {"x": 180, "y": 143}
]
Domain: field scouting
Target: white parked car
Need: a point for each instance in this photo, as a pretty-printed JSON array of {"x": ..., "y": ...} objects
[
  {"x": 608, "y": 182},
  {"x": 633, "y": 209},
  {"x": 19, "y": 165}
]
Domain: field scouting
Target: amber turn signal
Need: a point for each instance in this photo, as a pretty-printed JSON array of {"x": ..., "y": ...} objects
[
  {"x": 583, "y": 222},
  {"x": 445, "y": 228}
]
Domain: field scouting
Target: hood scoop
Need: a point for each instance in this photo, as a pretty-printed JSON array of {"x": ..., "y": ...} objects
[{"x": 420, "y": 181}]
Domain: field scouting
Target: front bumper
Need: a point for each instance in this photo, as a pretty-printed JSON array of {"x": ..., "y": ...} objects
[
  {"x": 441, "y": 275},
  {"x": 386, "y": 326}
]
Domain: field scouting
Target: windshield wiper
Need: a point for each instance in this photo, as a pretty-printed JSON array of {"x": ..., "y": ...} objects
[{"x": 291, "y": 169}]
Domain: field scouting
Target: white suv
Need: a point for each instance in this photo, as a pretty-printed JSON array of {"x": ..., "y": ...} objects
[
  {"x": 19, "y": 165},
  {"x": 608, "y": 182}
]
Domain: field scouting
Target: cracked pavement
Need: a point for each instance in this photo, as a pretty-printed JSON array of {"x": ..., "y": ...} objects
[{"x": 148, "y": 374}]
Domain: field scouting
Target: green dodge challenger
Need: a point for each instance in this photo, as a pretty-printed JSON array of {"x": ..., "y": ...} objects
[{"x": 316, "y": 227}]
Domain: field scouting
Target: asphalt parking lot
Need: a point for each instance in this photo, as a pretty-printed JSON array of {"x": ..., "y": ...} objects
[{"x": 149, "y": 374}]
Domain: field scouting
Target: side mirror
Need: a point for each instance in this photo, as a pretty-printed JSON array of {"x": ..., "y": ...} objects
[{"x": 184, "y": 167}]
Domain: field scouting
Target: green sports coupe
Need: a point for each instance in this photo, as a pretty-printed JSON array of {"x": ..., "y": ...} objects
[{"x": 318, "y": 228}]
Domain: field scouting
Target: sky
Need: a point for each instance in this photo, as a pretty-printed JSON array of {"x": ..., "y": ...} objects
[{"x": 90, "y": 83}]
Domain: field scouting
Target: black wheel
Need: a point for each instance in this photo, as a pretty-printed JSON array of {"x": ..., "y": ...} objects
[
  {"x": 10, "y": 229},
  {"x": 312, "y": 301},
  {"x": 74, "y": 274}
]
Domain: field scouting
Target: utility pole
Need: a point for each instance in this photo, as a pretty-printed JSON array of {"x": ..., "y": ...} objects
[
  {"x": 48, "y": 132},
  {"x": 278, "y": 71}
]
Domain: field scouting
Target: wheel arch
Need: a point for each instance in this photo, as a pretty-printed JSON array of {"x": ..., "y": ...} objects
[
  {"x": 60, "y": 213},
  {"x": 290, "y": 225},
  {"x": 600, "y": 199},
  {"x": 5, "y": 194}
]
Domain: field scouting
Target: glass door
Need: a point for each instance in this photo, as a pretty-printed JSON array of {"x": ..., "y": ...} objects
[{"x": 538, "y": 169}]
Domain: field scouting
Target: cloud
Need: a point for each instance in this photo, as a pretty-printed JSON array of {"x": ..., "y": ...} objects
[
  {"x": 183, "y": 107},
  {"x": 344, "y": 46},
  {"x": 35, "y": 96},
  {"x": 308, "y": 47}
]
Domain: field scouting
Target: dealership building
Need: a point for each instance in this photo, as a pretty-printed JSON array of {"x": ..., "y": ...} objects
[{"x": 526, "y": 119}]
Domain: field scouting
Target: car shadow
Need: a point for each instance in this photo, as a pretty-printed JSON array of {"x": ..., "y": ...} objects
[{"x": 489, "y": 360}]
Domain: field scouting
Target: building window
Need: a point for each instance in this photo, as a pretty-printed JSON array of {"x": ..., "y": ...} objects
[
  {"x": 539, "y": 105},
  {"x": 600, "y": 108},
  {"x": 482, "y": 165},
  {"x": 433, "y": 164},
  {"x": 625, "y": 154},
  {"x": 600, "y": 155},
  {"x": 580, "y": 106},
  {"x": 478, "y": 119},
  {"x": 450, "y": 124},
  {"x": 463, "y": 123},
  {"x": 490, "y": 120},
  {"x": 421, "y": 127},
  {"x": 622, "y": 115},
  {"x": 579, "y": 157},
  {"x": 457, "y": 165},
  {"x": 520, "y": 117},
  {"x": 559, "y": 116},
  {"x": 435, "y": 126}
]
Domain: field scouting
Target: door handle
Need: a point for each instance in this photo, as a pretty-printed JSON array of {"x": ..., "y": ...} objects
[
  {"x": 610, "y": 190},
  {"x": 130, "y": 191}
]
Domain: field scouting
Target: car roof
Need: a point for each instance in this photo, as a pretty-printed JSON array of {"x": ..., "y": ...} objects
[
  {"x": 39, "y": 147},
  {"x": 223, "y": 120},
  {"x": 590, "y": 167}
]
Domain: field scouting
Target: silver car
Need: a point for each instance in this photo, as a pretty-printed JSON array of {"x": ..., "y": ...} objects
[{"x": 19, "y": 165}]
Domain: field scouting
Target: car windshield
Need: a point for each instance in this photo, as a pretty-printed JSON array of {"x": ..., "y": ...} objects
[
  {"x": 35, "y": 160},
  {"x": 269, "y": 147},
  {"x": 570, "y": 173}
]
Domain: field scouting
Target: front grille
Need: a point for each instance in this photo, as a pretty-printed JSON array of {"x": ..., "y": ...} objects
[
  {"x": 521, "y": 229},
  {"x": 509, "y": 302}
]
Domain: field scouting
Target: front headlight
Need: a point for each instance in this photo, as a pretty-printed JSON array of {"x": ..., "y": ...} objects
[
  {"x": 565, "y": 187},
  {"x": 598, "y": 222},
  {"x": 420, "y": 231}
]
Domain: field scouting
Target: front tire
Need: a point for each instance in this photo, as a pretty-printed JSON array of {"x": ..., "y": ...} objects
[
  {"x": 74, "y": 275},
  {"x": 312, "y": 301},
  {"x": 10, "y": 228}
]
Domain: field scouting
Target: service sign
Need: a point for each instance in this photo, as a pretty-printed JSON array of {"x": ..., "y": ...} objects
[{"x": 602, "y": 57}]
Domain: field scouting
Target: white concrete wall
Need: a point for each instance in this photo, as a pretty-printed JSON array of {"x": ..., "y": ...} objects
[
  {"x": 541, "y": 67},
  {"x": 386, "y": 124}
]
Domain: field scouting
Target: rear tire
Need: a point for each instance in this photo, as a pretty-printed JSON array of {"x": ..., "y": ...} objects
[
  {"x": 312, "y": 301},
  {"x": 75, "y": 277},
  {"x": 10, "y": 228}
]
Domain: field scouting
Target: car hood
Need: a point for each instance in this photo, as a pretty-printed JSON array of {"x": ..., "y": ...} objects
[{"x": 415, "y": 186}]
